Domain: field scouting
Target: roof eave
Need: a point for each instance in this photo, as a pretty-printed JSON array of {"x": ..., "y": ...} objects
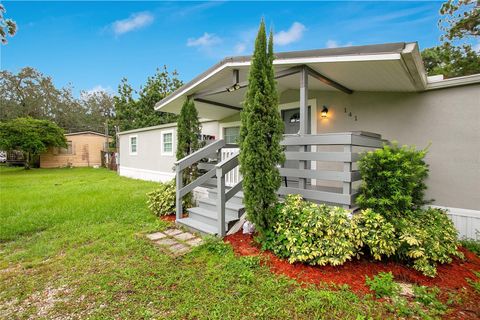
[
  {"x": 454, "y": 82},
  {"x": 407, "y": 52}
]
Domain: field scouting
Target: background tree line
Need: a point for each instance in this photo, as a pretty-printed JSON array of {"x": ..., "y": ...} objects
[
  {"x": 456, "y": 57},
  {"x": 29, "y": 93}
]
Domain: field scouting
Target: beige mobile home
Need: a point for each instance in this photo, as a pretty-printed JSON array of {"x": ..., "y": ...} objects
[
  {"x": 83, "y": 150},
  {"x": 335, "y": 103}
]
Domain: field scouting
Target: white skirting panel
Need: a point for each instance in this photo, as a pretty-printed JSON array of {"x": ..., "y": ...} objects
[
  {"x": 158, "y": 176},
  {"x": 466, "y": 221},
  {"x": 144, "y": 174}
]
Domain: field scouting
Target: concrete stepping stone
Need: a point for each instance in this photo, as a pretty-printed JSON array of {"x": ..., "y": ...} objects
[
  {"x": 195, "y": 242},
  {"x": 166, "y": 242},
  {"x": 172, "y": 232},
  {"x": 176, "y": 242},
  {"x": 156, "y": 236},
  {"x": 184, "y": 236},
  {"x": 179, "y": 249}
]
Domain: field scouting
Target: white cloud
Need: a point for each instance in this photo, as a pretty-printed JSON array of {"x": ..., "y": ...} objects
[
  {"x": 100, "y": 88},
  {"x": 134, "y": 22},
  {"x": 293, "y": 34},
  {"x": 336, "y": 44},
  {"x": 240, "y": 48},
  {"x": 207, "y": 40}
]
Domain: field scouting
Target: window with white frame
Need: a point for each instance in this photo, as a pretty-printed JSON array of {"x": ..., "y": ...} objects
[
  {"x": 133, "y": 145},
  {"x": 167, "y": 143},
  {"x": 231, "y": 134}
]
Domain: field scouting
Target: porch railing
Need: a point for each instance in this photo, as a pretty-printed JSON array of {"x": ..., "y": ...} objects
[
  {"x": 306, "y": 157},
  {"x": 234, "y": 176},
  {"x": 188, "y": 161},
  {"x": 348, "y": 146},
  {"x": 222, "y": 171}
]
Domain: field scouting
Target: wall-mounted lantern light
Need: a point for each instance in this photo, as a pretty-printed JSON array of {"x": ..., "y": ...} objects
[{"x": 324, "y": 112}]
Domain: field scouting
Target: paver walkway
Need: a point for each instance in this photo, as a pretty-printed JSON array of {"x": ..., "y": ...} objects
[{"x": 175, "y": 241}]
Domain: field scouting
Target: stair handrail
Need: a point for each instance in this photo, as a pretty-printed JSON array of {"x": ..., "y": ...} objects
[
  {"x": 187, "y": 161},
  {"x": 222, "y": 169}
]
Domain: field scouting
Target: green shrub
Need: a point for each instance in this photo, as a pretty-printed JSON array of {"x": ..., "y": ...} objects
[
  {"x": 383, "y": 285},
  {"x": 472, "y": 245},
  {"x": 393, "y": 180},
  {"x": 313, "y": 234},
  {"x": 475, "y": 283},
  {"x": 319, "y": 235},
  {"x": 161, "y": 201},
  {"x": 428, "y": 297},
  {"x": 376, "y": 234},
  {"x": 427, "y": 237}
]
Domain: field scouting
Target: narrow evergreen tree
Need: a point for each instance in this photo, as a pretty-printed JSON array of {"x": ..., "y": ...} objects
[
  {"x": 260, "y": 135},
  {"x": 188, "y": 133}
]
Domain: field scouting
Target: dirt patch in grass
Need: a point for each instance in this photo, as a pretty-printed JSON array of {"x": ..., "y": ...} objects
[{"x": 451, "y": 278}]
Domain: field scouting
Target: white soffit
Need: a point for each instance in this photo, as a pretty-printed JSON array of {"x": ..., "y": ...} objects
[{"x": 377, "y": 72}]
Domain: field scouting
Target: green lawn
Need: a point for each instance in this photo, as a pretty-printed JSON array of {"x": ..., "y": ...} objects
[{"x": 72, "y": 242}]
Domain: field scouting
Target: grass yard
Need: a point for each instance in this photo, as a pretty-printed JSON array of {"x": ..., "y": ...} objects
[{"x": 72, "y": 243}]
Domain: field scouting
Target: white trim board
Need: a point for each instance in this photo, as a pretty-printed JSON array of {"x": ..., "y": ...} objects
[{"x": 145, "y": 174}]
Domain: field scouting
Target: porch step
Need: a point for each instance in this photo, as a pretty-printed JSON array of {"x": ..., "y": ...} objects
[
  {"x": 231, "y": 208},
  {"x": 237, "y": 198},
  {"x": 197, "y": 226},
  {"x": 210, "y": 217}
]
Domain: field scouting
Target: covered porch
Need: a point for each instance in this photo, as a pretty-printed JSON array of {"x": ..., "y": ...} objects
[{"x": 320, "y": 166}]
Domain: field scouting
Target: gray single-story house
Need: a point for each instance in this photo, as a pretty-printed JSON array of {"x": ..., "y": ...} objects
[{"x": 335, "y": 103}]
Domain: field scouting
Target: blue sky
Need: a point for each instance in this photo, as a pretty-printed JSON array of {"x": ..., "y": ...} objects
[{"x": 92, "y": 45}]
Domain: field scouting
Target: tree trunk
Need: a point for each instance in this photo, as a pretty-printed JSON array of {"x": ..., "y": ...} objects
[{"x": 27, "y": 161}]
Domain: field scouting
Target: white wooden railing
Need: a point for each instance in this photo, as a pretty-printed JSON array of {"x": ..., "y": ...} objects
[{"x": 234, "y": 176}]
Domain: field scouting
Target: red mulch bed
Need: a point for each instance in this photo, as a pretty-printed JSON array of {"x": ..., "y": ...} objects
[
  {"x": 450, "y": 277},
  {"x": 170, "y": 218}
]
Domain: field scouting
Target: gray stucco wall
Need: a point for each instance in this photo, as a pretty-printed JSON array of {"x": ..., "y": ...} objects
[{"x": 449, "y": 119}]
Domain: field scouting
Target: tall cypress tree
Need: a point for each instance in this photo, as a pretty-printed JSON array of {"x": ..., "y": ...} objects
[
  {"x": 260, "y": 135},
  {"x": 188, "y": 133}
]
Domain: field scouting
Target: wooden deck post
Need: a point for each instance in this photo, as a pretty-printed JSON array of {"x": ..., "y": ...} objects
[
  {"x": 221, "y": 202},
  {"x": 302, "y": 182},
  {"x": 178, "y": 198},
  {"x": 347, "y": 168}
]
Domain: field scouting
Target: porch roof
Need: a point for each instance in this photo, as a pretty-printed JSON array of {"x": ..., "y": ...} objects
[{"x": 391, "y": 67}]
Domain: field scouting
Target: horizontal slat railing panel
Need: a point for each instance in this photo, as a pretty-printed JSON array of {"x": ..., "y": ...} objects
[
  {"x": 324, "y": 196},
  {"x": 365, "y": 141},
  {"x": 199, "y": 181},
  {"x": 311, "y": 139},
  {"x": 356, "y": 176},
  {"x": 322, "y": 156},
  {"x": 199, "y": 154},
  {"x": 320, "y": 174},
  {"x": 313, "y": 174},
  {"x": 344, "y": 138}
]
